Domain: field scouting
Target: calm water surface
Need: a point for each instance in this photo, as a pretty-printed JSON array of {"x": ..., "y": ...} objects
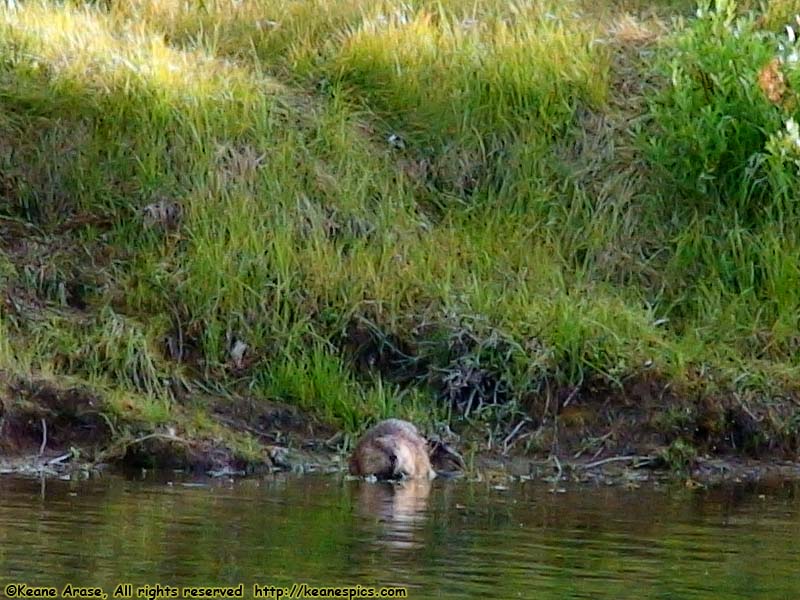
[{"x": 447, "y": 540}]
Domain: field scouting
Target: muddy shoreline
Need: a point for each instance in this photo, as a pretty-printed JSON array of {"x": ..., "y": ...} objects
[
  {"x": 51, "y": 430},
  {"x": 314, "y": 457},
  {"x": 496, "y": 471}
]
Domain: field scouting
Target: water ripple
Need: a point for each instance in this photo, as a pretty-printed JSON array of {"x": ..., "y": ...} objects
[{"x": 446, "y": 540}]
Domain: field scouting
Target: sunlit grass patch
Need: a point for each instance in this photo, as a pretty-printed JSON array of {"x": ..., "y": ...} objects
[
  {"x": 438, "y": 74},
  {"x": 82, "y": 45},
  {"x": 131, "y": 117},
  {"x": 276, "y": 34}
]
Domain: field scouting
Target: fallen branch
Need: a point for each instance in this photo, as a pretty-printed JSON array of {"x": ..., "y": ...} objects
[
  {"x": 160, "y": 436},
  {"x": 613, "y": 459},
  {"x": 59, "y": 459},
  {"x": 121, "y": 447},
  {"x": 239, "y": 425}
]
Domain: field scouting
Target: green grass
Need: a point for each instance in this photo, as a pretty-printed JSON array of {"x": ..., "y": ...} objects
[{"x": 581, "y": 195}]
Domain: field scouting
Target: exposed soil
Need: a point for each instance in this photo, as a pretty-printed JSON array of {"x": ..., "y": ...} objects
[
  {"x": 49, "y": 430},
  {"x": 647, "y": 416},
  {"x": 640, "y": 433}
]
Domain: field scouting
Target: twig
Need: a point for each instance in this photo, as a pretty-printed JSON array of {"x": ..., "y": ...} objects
[
  {"x": 557, "y": 477},
  {"x": 749, "y": 412},
  {"x": 44, "y": 437},
  {"x": 519, "y": 438},
  {"x": 123, "y": 445},
  {"x": 333, "y": 441},
  {"x": 558, "y": 466},
  {"x": 469, "y": 405},
  {"x": 59, "y": 459},
  {"x": 634, "y": 458},
  {"x": 161, "y": 436},
  {"x": 600, "y": 441},
  {"x": 571, "y": 396},
  {"x": 108, "y": 422},
  {"x": 236, "y": 424},
  {"x": 513, "y": 433}
]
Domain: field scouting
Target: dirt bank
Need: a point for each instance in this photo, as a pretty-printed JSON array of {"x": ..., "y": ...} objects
[
  {"x": 621, "y": 439},
  {"x": 50, "y": 430}
]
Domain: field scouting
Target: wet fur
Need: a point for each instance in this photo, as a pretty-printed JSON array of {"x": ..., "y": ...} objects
[{"x": 393, "y": 449}]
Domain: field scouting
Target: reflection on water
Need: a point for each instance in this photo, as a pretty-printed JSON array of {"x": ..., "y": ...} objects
[
  {"x": 445, "y": 539},
  {"x": 401, "y": 508}
]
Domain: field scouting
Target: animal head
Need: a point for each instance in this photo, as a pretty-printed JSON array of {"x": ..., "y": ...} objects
[
  {"x": 394, "y": 449},
  {"x": 373, "y": 457}
]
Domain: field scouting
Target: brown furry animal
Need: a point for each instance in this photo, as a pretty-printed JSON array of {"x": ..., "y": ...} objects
[{"x": 393, "y": 449}]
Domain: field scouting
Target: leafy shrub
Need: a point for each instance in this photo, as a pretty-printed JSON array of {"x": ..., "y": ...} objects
[{"x": 730, "y": 89}]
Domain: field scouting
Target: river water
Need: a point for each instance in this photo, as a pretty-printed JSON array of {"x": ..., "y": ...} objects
[{"x": 452, "y": 539}]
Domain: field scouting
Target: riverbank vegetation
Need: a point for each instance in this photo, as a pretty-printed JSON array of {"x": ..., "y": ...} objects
[{"x": 550, "y": 223}]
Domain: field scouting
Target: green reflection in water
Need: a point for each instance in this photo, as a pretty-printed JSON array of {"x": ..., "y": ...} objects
[{"x": 445, "y": 540}]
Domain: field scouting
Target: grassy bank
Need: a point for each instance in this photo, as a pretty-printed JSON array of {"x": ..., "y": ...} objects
[{"x": 547, "y": 221}]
